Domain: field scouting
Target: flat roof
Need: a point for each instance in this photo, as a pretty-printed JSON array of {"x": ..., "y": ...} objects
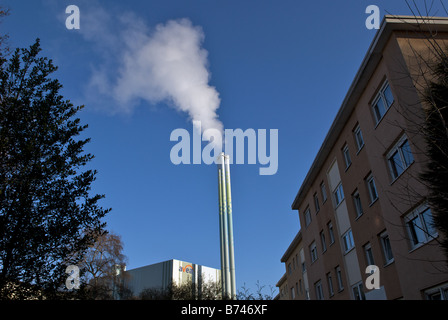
[
  {"x": 292, "y": 246},
  {"x": 389, "y": 24}
]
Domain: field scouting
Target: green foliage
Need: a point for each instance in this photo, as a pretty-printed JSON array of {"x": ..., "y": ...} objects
[{"x": 46, "y": 211}]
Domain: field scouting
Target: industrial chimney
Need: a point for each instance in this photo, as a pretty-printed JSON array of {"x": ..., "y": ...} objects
[{"x": 226, "y": 229}]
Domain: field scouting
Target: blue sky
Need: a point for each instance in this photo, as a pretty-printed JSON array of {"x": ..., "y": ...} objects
[{"x": 283, "y": 65}]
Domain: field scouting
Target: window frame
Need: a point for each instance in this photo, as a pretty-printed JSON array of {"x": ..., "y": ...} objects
[
  {"x": 338, "y": 194},
  {"x": 398, "y": 149},
  {"x": 319, "y": 290},
  {"x": 428, "y": 233},
  {"x": 348, "y": 241},
  {"x": 346, "y": 156},
  {"x": 316, "y": 202},
  {"x": 359, "y": 286},
  {"x": 441, "y": 289},
  {"x": 380, "y": 96},
  {"x": 370, "y": 260},
  {"x": 358, "y": 133},
  {"x": 368, "y": 180},
  {"x": 331, "y": 232},
  {"x": 388, "y": 260},
  {"x": 307, "y": 216},
  {"x": 357, "y": 203},
  {"x": 340, "y": 283},
  {"x": 313, "y": 252},
  {"x": 330, "y": 284},
  {"x": 322, "y": 240},
  {"x": 323, "y": 191}
]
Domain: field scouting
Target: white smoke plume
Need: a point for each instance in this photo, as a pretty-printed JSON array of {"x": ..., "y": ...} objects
[{"x": 166, "y": 64}]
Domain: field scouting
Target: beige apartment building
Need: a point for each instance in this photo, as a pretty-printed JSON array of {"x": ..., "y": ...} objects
[{"x": 361, "y": 203}]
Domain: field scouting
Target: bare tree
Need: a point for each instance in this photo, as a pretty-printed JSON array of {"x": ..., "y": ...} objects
[
  {"x": 204, "y": 290},
  {"x": 426, "y": 124},
  {"x": 102, "y": 268},
  {"x": 245, "y": 294},
  {"x": 4, "y": 49}
]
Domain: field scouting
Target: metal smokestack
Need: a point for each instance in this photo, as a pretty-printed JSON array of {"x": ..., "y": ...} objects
[{"x": 226, "y": 228}]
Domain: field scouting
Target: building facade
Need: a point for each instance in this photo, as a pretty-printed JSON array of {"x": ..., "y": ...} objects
[
  {"x": 362, "y": 203},
  {"x": 161, "y": 275},
  {"x": 294, "y": 283}
]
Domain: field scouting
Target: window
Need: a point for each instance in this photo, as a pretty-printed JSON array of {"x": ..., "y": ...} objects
[
  {"x": 303, "y": 267},
  {"x": 322, "y": 239},
  {"x": 339, "y": 278},
  {"x": 330, "y": 231},
  {"x": 307, "y": 294},
  {"x": 387, "y": 249},
  {"x": 346, "y": 155},
  {"x": 330, "y": 284},
  {"x": 313, "y": 252},
  {"x": 319, "y": 291},
  {"x": 369, "y": 254},
  {"x": 372, "y": 189},
  {"x": 358, "y": 291},
  {"x": 382, "y": 102},
  {"x": 438, "y": 293},
  {"x": 307, "y": 217},
  {"x": 316, "y": 203},
  {"x": 357, "y": 203},
  {"x": 419, "y": 225},
  {"x": 293, "y": 295},
  {"x": 400, "y": 157},
  {"x": 338, "y": 194},
  {"x": 300, "y": 286},
  {"x": 348, "y": 241},
  {"x": 358, "y": 137},
  {"x": 289, "y": 268},
  {"x": 324, "y": 193}
]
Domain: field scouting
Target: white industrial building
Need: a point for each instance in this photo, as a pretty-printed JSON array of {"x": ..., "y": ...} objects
[{"x": 161, "y": 275}]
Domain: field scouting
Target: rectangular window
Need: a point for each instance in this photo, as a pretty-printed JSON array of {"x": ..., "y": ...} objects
[
  {"x": 339, "y": 278},
  {"x": 372, "y": 189},
  {"x": 348, "y": 241},
  {"x": 357, "y": 203},
  {"x": 358, "y": 291},
  {"x": 420, "y": 226},
  {"x": 338, "y": 194},
  {"x": 319, "y": 291},
  {"x": 307, "y": 217},
  {"x": 303, "y": 267},
  {"x": 322, "y": 239},
  {"x": 387, "y": 249},
  {"x": 346, "y": 154},
  {"x": 437, "y": 293},
  {"x": 358, "y": 137},
  {"x": 316, "y": 203},
  {"x": 293, "y": 295},
  {"x": 382, "y": 102},
  {"x": 324, "y": 192},
  {"x": 330, "y": 284},
  {"x": 289, "y": 268},
  {"x": 399, "y": 157},
  {"x": 313, "y": 252},
  {"x": 330, "y": 232},
  {"x": 369, "y": 254}
]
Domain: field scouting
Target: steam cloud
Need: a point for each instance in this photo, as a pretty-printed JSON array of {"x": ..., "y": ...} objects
[{"x": 165, "y": 65}]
